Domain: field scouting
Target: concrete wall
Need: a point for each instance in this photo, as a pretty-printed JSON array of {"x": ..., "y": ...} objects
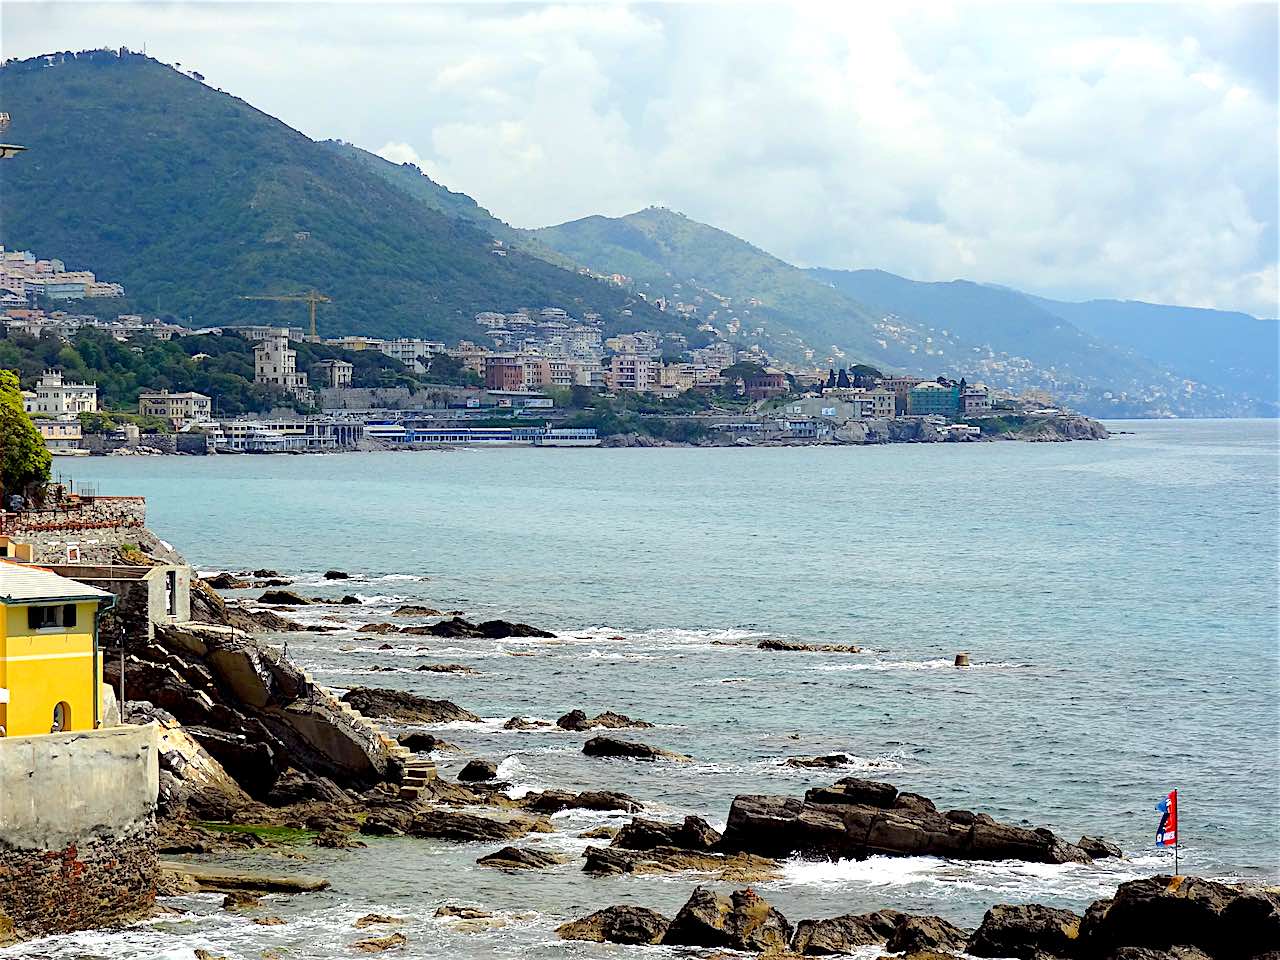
[
  {"x": 141, "y": 594},
  {"x": 77, "y": 829}
]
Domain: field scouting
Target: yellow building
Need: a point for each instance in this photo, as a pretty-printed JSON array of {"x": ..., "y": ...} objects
[{"x": 50, "y": 668}]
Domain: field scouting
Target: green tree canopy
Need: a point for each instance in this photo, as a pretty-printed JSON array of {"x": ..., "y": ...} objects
[{"x": 24, "y": 459}]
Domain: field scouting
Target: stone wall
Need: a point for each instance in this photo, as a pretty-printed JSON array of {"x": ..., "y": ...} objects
[
  {"x": 99, "y": 526},
  {"x": 77, "y": 829}
]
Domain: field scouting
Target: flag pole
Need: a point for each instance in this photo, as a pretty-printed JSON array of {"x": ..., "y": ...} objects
[{"x": 1177, "y": 835}]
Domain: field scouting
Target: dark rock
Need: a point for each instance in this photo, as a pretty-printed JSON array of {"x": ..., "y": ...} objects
[
  {"x": 621, "y": 924},
  {"x": 743, "y": 921},
  {"x": 464, "y": 827},
  {"x": 1226, "y": 921},
  {"x": 406, "y": 707},
  {"x": 827, "y": 761},
  {"x": 385, "y": 646},
  {"x": 336, "y": 575},
  {"x": 553, "y": 801},
  {"x": 226, "y": 581},
  {"x": 790, "y": 646},
  {"x": 476, "y": 770},
  {"x": 914, "y": 934},
  {"x": 1176, "y": 953},
  {"x": 349, "y": 600},
  {"x": 520, "y": 858},
  {"x": 524, "y": 723},
  {"x": 1099, "y": 848},
  {"x": 579, "y": 721},
  {"x": 271, "y": 582},
  {"x": 1025, "y": 931},
  {"x": 379, "y": 628},
  {"x": 298, "y": 786},
  {"x": 609, "y": 747},
  {"x": 457, "y": 628},
  {"x": 445, "y": 668},
  {"x": 839, "y": 935},
  {"x": 423, "y": 742},
  {"x": 781, "y": 826},
  {"x": 285, "y": 598},
  {"x": 413, "y": 610},
  {"x": 870, "y": 793},
  {"x": 336, "y": 840},
  {"x": 915, "y": 802},
  {"x": 266, "y": 573},
  {"x": 643, "y": 834}
]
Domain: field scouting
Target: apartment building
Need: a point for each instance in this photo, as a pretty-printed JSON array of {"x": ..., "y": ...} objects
[
  {"x": 633, "y": 371},
  {"x": 414, "y": 354}
]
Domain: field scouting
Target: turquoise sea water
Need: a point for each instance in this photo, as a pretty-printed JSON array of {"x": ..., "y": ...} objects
[{"x": 1118, "y": 600}]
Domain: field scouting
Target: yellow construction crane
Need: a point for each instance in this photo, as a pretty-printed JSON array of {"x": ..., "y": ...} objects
[{"x": 311, "y": 298}]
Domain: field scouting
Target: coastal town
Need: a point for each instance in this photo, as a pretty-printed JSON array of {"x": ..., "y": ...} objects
[{"x": 531, "y": 377}]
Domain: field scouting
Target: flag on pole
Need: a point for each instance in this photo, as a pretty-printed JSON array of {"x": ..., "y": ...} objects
[{"x": 1167, "y": 831}]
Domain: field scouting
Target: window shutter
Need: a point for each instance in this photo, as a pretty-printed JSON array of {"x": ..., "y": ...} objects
[
  {"x": 69, "y": 615},
  {"x": 33, "y": 618}
]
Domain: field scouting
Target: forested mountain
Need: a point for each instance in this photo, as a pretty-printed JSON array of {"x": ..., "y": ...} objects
[
  {"x": 959, "y": 328},
  {"x": 191, "y": 198},
  {"x": 1167, "y": 360},
  {"x": 1224, "y": 348}
]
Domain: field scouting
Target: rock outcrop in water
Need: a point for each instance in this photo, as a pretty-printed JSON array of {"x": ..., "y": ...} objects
[
  {"x": 405, "y": 707},
  {"x": 856, "y": 819},
  {"x": 621, "y": 924},
  {"x": 579, "y": 721},
  {"x": 1159, "y": 918},
  {"x": 627, "y": 749}
]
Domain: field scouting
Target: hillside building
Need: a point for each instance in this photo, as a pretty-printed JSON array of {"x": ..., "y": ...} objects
[
  {"x": 333, "y": 374},
  {"x": 55, "y": 397},
  {"x": 276, "y": 363},
  {"x": 178, "y": 408},
  {"x": 931, "y": 398}
]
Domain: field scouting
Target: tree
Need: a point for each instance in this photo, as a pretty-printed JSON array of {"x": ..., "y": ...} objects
[
  {"x": 24, "y": 459},
  {"x": 843, "y": 379},
  {"x": 831, "y": 379}
]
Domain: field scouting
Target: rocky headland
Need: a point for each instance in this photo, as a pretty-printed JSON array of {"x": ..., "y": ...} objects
[{"x": 253, "y": 744}]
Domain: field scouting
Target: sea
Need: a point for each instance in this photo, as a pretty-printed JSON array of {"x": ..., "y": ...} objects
[{"x": 1117, "y": 600}]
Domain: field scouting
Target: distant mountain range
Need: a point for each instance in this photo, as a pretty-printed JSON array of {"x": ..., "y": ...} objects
[{"x": 191, "y": 198}]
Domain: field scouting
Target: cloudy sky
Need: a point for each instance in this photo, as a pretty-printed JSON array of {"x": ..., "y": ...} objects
[{"x": 1070, "y": 150}]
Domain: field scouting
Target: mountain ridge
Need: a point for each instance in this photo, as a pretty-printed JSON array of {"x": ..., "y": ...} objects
[{"x": 192, "y": 198}]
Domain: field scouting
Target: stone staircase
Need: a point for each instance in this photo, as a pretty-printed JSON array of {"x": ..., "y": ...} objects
[{"x": 414, "y": 770}]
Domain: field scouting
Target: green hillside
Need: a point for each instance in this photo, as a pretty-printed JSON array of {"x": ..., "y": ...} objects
[
  {"x": 669, "y": 254},
  {"x": 191, "y": 197},
  {"x": 410, "y": 178}
]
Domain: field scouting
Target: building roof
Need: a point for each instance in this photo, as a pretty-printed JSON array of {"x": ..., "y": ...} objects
[{"x": 21, "y": 583}]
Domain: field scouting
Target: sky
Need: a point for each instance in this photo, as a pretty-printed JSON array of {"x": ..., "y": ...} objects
[{"x": 1071, "y": 150}]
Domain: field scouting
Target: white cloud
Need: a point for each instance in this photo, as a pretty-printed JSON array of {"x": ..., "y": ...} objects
[
  {"x": 399, "y": 153},
  {"x": 1071, "y": 150}
]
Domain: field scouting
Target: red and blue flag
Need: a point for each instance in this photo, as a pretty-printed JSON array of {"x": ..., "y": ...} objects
[{"x": 1167, "y": 832}]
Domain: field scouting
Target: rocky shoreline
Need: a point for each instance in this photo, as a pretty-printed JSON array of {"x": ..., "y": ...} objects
[{"x": 253, "y": 745}]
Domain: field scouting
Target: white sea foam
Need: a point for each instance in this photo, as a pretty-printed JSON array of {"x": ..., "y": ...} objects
[
  {"x": 940, "y": 663},
  {"x": 853, "y": 762},
  {"x": 990, "y": 879}
]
